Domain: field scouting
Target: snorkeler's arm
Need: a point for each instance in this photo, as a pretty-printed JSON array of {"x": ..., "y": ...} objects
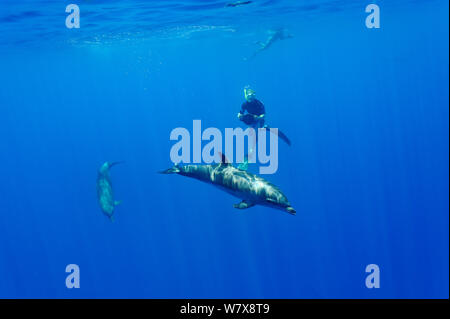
[
  {"x": 243, "y": 109},
  {"x": 239, "y": 115},
  {"x": 241, "y": 112}
]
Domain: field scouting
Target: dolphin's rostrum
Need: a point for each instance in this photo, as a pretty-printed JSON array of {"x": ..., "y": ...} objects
[{"x": 252, "y": 189}]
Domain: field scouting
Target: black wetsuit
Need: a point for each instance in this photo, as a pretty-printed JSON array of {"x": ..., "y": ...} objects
[{"x": 254, "y": 107}]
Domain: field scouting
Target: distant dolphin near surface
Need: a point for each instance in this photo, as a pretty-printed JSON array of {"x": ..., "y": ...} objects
[
  {"x": 252, "y": 189},
  {"x": 237, "y": 3},
  {"x": 274, "y": 36},
  {"x": 105, "y": 192}
]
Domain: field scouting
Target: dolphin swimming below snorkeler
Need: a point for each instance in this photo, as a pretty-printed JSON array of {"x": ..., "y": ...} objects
[{"x": 252, "y": 189}]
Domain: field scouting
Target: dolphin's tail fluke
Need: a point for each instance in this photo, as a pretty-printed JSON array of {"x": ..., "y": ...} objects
[
  {"x": 172, "y": 170},
  {"x": 111, "y": 164}
]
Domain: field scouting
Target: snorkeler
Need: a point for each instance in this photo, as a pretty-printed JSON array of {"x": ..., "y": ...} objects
[
  {"x": 256, "y": 111},
  {"x": 253, "y": 113}
]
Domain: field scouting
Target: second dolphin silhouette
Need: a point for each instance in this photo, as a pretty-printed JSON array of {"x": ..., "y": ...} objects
[{"x": 105, "y": 192}]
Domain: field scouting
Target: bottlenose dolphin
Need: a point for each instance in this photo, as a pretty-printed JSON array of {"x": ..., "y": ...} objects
[
  {"x": 252, "y": 189},
  {"x": 105, "y": 192},
  {"x": 274, "y": 36}
]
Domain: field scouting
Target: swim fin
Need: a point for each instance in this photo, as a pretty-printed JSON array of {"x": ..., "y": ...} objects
[
  {"x": 284, "y": 137},
  {"x": 244, "y": 165},
  {"x": 281, "y": 135}
]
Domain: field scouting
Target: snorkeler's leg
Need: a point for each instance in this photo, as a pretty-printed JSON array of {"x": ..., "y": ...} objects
[
  {"x": 244, "y": 165},
  {"x": 253, "y": 137}
]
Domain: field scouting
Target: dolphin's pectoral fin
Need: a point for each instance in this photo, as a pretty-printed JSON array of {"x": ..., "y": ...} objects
[
  {"x": 117, "y": 202},
  {"x": 244, "y": 205}
]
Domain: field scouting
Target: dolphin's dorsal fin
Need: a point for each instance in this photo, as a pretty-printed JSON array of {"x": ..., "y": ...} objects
[{"x": 223, "y": 159}]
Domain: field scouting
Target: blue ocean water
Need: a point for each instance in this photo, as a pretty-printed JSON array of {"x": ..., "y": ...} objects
[{"x": 368, "y": 169}]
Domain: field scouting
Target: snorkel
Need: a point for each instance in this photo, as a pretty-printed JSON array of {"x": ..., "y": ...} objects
[{"x": 249, "y": 94}]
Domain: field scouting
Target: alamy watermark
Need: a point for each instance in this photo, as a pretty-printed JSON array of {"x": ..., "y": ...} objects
[
  {"x": 73, "y": 279},
  {"x": 373, "y": 279},
  {"x": 373, "y": 19},
  {"x": 73, "y": 19},
  {"x": 257, "y": 149}
]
